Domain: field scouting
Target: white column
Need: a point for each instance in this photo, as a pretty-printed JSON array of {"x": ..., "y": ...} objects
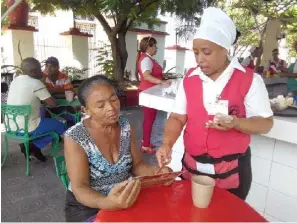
[
  {"x": 14, "y": 41},
  {"x": 180, "y": 61},
  {"x": 79, "y": 50},
  {"x": 161, "y": 48},
  {"x": 176, "y": 54},
  {"x": 271, "y": 42},
  {"x": 131, "y": 43}
]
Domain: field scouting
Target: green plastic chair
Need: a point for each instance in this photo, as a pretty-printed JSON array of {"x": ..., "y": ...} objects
[
  {"x": 61, "y": 170},
  {"x": 10, "y": 114},
  {"x": 76, "y": 116}
]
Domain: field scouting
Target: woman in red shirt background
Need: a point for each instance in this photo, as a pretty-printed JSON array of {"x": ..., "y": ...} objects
[{"x": 150, "y": 73}]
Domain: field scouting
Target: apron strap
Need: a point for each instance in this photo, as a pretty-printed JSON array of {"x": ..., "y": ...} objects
[{"x": 205, "y": 158}]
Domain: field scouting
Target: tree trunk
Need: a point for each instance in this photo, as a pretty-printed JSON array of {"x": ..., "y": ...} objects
[
  {"x": 119, "y": 55},
  {"x": 262, "y": 37},
  {"x": 123, "y": 50}
]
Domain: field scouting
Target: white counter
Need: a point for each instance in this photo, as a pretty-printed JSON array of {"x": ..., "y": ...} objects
[{"x": 274, "y": 162}]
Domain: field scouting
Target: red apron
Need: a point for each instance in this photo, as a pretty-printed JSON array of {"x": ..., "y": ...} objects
[
  {"x": 211, "y": 146},
  {"x": 157, "y": 72}
]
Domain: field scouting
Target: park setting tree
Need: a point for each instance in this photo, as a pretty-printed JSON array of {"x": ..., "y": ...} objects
[
  {"x": 124, "y": 14},
  {"x": 252, "y": 16}
]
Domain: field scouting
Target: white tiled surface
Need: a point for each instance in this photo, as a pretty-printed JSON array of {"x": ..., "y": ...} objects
[
  {"x": 284, "y": 179},
  {"x": 153, "y": 98},
  {"x": 261, "y": 170},
  {"x": 257, "y": 196},
  {"x": 286, "y": 153},
  {"x": 274, "y": 166},
  {"x": 270, "y": 218},
  {"x": 284, "y": 128},
  {"x": 262, "y": 147},
  {"x": 281, "y": 206}
]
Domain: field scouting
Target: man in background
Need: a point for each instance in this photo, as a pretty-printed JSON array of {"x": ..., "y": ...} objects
[
  {"x": 273, "y": 65},
  {"x": 27, "y": 89},
  {"x": 55, "y": 81}
]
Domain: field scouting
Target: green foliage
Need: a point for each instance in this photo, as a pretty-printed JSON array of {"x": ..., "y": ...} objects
[
  {"x": 5, "y": 22},
  {"x": 247, "y": 26},
  {"x": 251, "y": 16},
  {"x": 104, "y": 59},
  {"x": 75, "y": 73},
  {"x": 124, "y": 14},
  {"x": 290, "y": 26}
]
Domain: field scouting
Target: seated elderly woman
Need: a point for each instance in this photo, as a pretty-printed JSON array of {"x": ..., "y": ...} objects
[{"x": 101, "y": 155}]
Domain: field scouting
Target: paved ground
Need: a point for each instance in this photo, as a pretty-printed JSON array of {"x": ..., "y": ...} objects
[{"x": 40, "y": 197}]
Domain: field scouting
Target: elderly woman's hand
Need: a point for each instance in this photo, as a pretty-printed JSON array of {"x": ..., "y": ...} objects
[
  {"x": 223, "y": 125},
  {"x": 123, "y": 195}
]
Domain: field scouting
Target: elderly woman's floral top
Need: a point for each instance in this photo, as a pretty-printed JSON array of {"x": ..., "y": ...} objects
[{"x": 104, "y": 175}]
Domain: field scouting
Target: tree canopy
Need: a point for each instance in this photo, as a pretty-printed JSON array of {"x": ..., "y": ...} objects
[
  {"x": 123, "y": 14},
  {"x": 251, "y": 18}
]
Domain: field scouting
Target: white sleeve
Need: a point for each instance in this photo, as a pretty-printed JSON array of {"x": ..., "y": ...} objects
[
  {"x": 41, "y": 91},
  {"x": 246, "y": 61},
  {"x": 257, "y": 101},
  {"x": 146, "y": 64},
  {"x": 180, "y": 105}
]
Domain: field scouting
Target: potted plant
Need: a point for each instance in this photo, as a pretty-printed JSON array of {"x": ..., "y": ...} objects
[
  {"x": 20, "y": 15},
  {"x": 75, "y": 75}
]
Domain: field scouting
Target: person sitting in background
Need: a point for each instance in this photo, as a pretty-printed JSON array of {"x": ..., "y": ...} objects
[
  {"x": 249, "y": 61},
  {"x": 291, "y": 74},
  {"x": 27, "y": 89},
  {"x": 101, "y": 155},
  {"x": 55, "y": 81},
  {"x": 273, "y": 64}
]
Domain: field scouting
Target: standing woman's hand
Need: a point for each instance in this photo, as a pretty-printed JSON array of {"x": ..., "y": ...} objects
[
  {"x": 166, "y": 83},
  {"x": 223, "y": 125},
  {"x": 163, "y": 155},
  {"x": 123, "y": 195}
]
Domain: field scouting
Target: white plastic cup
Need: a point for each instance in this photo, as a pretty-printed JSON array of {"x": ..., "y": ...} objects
[
  {"x": 202, "y": 190},
  {"x": 69, "y": 95}
]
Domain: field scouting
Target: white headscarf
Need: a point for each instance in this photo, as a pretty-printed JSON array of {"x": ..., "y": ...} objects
[{"x": 216, "y": 26}]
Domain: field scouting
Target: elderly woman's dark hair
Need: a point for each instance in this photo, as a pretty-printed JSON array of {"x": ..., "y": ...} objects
[{"x": 86, "y": 86}]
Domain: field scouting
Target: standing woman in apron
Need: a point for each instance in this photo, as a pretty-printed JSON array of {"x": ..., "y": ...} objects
[
  {"x": 291, "y": 73},
  {"x": 218, "y": 149},
  {"x": 150, "y": 75}
]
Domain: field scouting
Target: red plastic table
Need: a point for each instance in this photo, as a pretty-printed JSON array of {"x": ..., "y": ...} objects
[{"x": 174, "y": 204}]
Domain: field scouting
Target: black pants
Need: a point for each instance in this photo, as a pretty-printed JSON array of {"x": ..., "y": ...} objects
[
  {"x": 245, "y": 176},
  {"x": 75, "y": 211}
]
